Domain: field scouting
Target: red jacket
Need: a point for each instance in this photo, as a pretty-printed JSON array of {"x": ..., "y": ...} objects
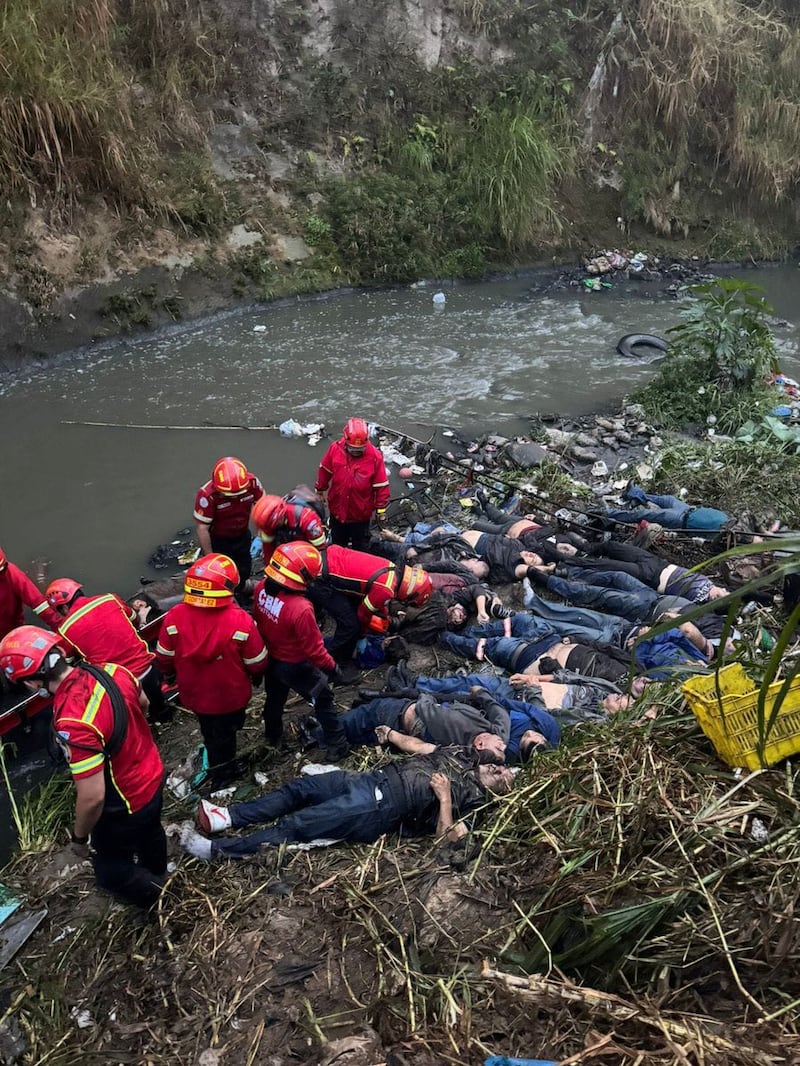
[
  {"x": 17, "y": 592},
  {"x": 289, "y": 627},
  {"x": 214, "y": 652},
  {"x": 302, "y": 523},
  {"x": 373, "y": 579},
  {"x": 357, "y": 485},
  {"x": 227, "y": 516},
  {"x": 101, "y": 629},
  {"x": 84, "y": 721}
]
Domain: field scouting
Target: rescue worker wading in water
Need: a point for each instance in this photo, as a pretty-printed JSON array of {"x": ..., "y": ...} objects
[
  {"x": 222, "y": 514},
  {"x": 215, "y": 651},
  {"x": 98, "y": 716},
  {"x": 356, "y": 589},
  {"x": 17, "y": 592},
  {"x": 101, "y": 630},
  {"x": 298, "y": 659}
]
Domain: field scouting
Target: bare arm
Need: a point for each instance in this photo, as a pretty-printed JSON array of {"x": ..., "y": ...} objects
[
  {"x": 446, "y": 828},
  {"x": 203, "y": 537},
  {"x": 403, "y": 742},
  {"x": 91, "y": 794},
  {"x": 690, "y": 630}
]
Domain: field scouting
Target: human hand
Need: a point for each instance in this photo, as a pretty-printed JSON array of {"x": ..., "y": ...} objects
[
  {"x": 440, "y": 786},
  {"x": 483, "y": 617},
  {"x": 80, "y": 847},
  {"x": 382, "y": 733}
]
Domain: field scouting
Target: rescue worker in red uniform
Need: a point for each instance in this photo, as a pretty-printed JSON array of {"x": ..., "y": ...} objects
[
  {"x": 222, "y": 510},
  {"x": 98, "y": 716},
  {"x": 102, "y": 629},
  {"x": 353, "y": 475},
  {"x": 17, "y": 592},
  {"x": 282, "y": 519},
  {"x": 298, "y": 659},
  {"x": 356, "y": 589},
  {"x": 212, "y": 646}
]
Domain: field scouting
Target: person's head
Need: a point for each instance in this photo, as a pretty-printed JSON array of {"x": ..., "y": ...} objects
[
  {"x": 211, "y": 581},
  {"x": 294, "y": 566},
  {"x": 230, "y": 476},
  {"x": 144, "y": 605},
  {"x": 355, "y": 436},
  {"x": 62, "y": 593},
  {"x": 716, "y": 592},
  {"x": 615, "y": 702},
  {"x": 530, "y": 744},
  {"x": 490, "y": 745},
  {"x": 415, "y": 586},
  {"x": 495, "y": 778},
  {"x": 531, "y": 558},
  {"x": 456, "y": 616},
  {"x": 269, "y": 514},
  {"x": 33, "y": 657},
  {"x": 477, "y": 567}
]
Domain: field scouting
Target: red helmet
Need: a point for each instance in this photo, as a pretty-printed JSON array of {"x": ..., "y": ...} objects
[
  {"x": 62, "y": 591},
  {"x": 29, "y": 652},
  {"x": 230, "y": 476},
  {"x": 3, "y": 561},
  {"x": 211, "y": 581},
  {"x": 269, "y": 514},
  {"x": 415, "y": 586},
  {"x": 294, "y": 565},
  {"x": 356, "y": 433}
]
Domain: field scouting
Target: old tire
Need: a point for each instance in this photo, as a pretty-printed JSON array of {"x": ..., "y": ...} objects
[{"x": 627, "y": 344}]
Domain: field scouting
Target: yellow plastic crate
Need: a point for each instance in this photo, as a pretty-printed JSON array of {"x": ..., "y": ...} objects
[{"x": 733, "y": 727}]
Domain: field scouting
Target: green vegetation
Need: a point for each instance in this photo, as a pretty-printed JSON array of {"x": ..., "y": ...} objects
[{"x": 717, "y": 368}]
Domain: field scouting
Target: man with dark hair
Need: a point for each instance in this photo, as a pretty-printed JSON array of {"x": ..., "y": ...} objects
[{"x": 428, "y": 793}]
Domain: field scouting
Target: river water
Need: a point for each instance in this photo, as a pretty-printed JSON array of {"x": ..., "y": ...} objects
[{"x": 95, "y": 500}]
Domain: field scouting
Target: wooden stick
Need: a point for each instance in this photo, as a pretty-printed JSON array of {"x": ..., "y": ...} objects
[
  {"x": 535, "y": 987},
  {"x": 136, "y": 425}
]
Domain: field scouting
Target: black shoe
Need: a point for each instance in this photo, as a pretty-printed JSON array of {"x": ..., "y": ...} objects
[
  {"x": 336, "y": 752},
  {"x": 305, "y": 735},
  {"x": 366, "y": 695},
  {"x": 399, "y": 677}
]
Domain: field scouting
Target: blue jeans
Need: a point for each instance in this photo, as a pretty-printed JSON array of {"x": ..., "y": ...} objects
[
  {"x": 334, "y": 806},
  {"x": 359, "y": 723},
  {"x": 669, "y": 512},
  {"x": 622, "y": 594},
  {"x": 502, "y": 651},
  {"x": 579, "y": 623},
  {"x": 452, "y": 686}
]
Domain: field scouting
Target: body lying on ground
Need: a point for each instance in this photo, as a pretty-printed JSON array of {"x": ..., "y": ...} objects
[{"x": 428, "y": 793}]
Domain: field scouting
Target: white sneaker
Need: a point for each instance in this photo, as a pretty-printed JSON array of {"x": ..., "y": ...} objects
[
  {"x": 211, "y": 818},
  {"x": 192, "y": 842}
]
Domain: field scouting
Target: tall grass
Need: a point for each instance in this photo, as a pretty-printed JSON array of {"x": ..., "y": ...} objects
[
  {"x": 723, "y": 77},
  {"x": 90, "y": 90}
]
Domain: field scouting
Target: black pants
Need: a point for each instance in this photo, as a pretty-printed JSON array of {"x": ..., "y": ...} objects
[
  {"x": 350, "y": 534},
  {"x": 130, "y": 857},
  {"x": 238, "y": 549},
  {"x": 219, "y": 736},
  {"x": 282, "y": 678},
  {"x": 343, "y": 610},
  {"x": 626, "y": 558},
  {"x": 160, "y": 710}
]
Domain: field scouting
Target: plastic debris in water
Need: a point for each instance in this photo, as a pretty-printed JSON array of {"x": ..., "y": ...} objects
[{"x": 439, "y": 299}]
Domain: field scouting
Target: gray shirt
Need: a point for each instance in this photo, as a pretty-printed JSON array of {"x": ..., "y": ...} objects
[{"x": 458, "y": 723}]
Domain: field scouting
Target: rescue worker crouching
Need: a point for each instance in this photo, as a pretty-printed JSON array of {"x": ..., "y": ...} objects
[
  {"x": 282, "y": 519},
  {"x": 353, "y": 474},
  {"x": 98, "y": 716},
  {"x": 215, "y": 651},
  {"x": 101, "y": 629},
  {"x": 298, "y": 659},
  {"x": 356, "y": 589},
  {"x": 222, "y": 510}
]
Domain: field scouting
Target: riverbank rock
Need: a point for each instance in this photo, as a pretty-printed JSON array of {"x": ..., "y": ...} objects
[
  {"x": 526, "y": 455},
  {"x": 583, "y": 455}
]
